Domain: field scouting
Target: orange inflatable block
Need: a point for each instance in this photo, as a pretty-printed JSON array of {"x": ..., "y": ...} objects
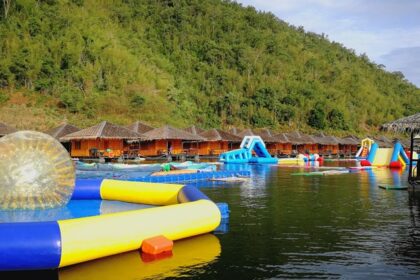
[{"x": 156, "y": 245}]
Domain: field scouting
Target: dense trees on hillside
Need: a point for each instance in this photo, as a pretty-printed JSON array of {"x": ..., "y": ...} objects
[{"x": 212, "y": 63}]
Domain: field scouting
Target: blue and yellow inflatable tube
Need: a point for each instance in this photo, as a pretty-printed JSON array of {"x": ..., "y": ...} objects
[{"x": 185, "y": 212}]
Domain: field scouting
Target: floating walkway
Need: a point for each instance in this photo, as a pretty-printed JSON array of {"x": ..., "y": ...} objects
[
  {"x": 392, "y": 187},
  {"x": 192, "y": 177}
]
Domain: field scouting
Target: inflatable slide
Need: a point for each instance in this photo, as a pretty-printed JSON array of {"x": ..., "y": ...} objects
[
  {"x": 365, "y": 147},
  {"x": 390, "y": 157},
  {"x": 252, "y": 150}
]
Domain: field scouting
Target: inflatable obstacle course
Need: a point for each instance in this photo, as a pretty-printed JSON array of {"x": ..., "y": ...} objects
[
  {"x": 252, "y": 150},
  {"x": 391, "y": 157}
]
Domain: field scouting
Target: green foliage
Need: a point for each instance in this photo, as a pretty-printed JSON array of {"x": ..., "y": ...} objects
[
  {"x": 316, "y": 117},
  {"x": 72, "y": 100},
  {"x": 212, "y": 63},
  {"x": 3, "y": 98},
  {"x": 137, "y": 101},
  {"x": 336, "y": 120}
]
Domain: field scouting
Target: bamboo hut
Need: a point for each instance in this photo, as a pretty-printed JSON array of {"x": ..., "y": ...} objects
[
  {"x": 5, "y": 129},
  {"x": 407, "y": 124},
  {"x": 61, "y": 131},
  {"x": 169, "y": 140},
  {"x": 302, "y": 143},
  {"x": 194, "y": 130},
  {"x": 217, "y": 142},
  {"x": 283, "y": 144},
  {"x": 348, "y": 145},
  {"x": 327, "y": 145},
  {"x": 141, "y": 128},
  {"x": 102, "y": 140},
  {"x": 272, "y": 143}
]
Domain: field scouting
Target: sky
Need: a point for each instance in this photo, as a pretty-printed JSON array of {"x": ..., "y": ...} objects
[{"x": 387, "y": 31}]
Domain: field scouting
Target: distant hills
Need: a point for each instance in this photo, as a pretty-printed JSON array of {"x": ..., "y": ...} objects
[{"x": 210, "y": 63}]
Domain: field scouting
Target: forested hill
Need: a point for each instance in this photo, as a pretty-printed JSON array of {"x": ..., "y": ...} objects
[{"x": 210, "y": 63}]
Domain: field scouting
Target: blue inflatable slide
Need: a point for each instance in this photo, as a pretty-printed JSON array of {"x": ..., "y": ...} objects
[{"x": 252, "y": 150}]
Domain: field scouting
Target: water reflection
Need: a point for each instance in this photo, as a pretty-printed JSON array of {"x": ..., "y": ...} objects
[{"x": 189, "y": 257}]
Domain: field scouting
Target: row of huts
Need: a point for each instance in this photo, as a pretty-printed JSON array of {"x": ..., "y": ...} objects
[{"x": 141, "y": 140}]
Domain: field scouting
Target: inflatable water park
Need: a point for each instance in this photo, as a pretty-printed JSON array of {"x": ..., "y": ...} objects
[{"x": 54, "y": 220}]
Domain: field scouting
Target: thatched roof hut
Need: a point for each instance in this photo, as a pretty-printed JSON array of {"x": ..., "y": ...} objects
[
  {"x": 281, "y": 138},
  {"x": 103, "y": 130},
  {"x": 171, "y": 133},
  {"x": 323, "y": 139},
  {"x": 265, "y": 134},
  {"x": 5, "y": 129},
  {"x": 298, "y": 138},
  {"x": 62, "y": 130},
  {"x": 246, "y": 132},
  {"x": 194, "y": 130},
  {"x": 220, "y": 135},
  {"x": 139, "y": 127},
  {"x": 349, "y": 140},
  {"x": 407, "y": 124}
]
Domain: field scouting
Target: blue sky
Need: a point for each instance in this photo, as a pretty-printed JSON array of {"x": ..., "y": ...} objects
[{"x": 387, "y": 31}]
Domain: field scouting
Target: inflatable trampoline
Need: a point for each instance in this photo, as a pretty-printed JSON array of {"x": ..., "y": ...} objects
[{"x": 174, "y": 211}]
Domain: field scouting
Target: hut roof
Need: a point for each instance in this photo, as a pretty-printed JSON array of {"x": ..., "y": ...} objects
[
  {"x": 324, "y": 139},
  {"x": 103, "y": 130},
  {"x": 407, "y": 124},
  {"x": 5, "y": 129},
  {"x": 139, "y": 127},
  {"x": 246, "y": 132},
  {"x": 349, "y": 140},
  {"x": 234, "y": 131},
  {"x": 194, "y": 130},
  {"x": 281, "y": 138},
  {"x": 265, "y": 134},
  {"x": 170, "y": 133},
  {"x": 299, "y": 138},
  {"x": 62, "y": 130},
  {"x": 219, "y": 135}
]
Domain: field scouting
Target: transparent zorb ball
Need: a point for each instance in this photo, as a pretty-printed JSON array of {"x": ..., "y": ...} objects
[{"x": 35, "y": 171}]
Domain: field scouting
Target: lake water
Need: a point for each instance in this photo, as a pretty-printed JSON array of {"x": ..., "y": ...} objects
[{"x": 284, "y": 226}]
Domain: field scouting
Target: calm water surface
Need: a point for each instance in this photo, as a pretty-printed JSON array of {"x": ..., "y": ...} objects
[{"x": 284, "y": 226}]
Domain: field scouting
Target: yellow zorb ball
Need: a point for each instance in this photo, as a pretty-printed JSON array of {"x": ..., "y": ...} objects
[{"x": 35, "y": 171}]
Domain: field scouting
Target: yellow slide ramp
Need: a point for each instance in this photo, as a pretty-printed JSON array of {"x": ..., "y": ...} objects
[{"x": 383, "y": 157}]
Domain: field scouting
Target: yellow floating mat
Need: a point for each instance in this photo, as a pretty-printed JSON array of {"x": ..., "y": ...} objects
[{"x": 289, "y": 161}]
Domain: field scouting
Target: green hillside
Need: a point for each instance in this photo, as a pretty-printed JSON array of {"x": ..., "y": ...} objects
[{"x": 210, "y": 63}]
